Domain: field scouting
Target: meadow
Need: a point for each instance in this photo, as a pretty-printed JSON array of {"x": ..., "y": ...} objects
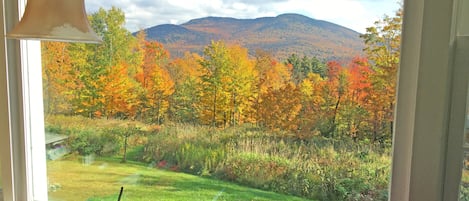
[{"x": 317, "y": 169}]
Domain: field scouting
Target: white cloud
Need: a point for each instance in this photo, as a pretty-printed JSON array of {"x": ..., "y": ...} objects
[{"x": 354, "y": 14}]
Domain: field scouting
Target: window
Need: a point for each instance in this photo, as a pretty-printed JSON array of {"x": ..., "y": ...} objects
[
  {"x": 419, "y": 151},
  {"x": 213, "y": 145}
]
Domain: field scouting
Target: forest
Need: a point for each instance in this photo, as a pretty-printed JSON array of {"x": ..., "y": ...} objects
[
  {"x": 242, "y": 107},
  {"x": 128, "y": 77}
]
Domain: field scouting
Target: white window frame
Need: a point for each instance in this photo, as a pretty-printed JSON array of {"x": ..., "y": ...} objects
[
  {"x": 424, "y": 153},
  {"x": 458, "y": 125},
  {"x": 430, "y": 112},
  {"x": 23, "y": 162}
]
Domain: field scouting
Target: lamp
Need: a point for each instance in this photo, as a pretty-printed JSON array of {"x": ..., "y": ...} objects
[{"x": 55, "y": 20}]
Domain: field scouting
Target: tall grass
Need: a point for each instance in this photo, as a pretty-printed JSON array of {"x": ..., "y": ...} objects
[{"x": 318, "y": 168}]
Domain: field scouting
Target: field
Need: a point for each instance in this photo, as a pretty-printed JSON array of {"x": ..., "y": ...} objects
[
  {"x": 74, "y": 179},
  {"x": 317, "y": 169}
]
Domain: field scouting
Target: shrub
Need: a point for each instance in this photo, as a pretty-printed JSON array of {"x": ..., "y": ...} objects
[
  {"x": 97, "y": 142},
  {"x": 92, "y": 136}
]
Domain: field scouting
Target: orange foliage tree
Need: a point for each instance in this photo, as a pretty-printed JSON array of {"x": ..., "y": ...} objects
[
  {"x": 57, "y": 78},
  {"x": 120, "y": 93},
  {"x": 156, "y": 83},
  {"x": 272, "y": 76}
]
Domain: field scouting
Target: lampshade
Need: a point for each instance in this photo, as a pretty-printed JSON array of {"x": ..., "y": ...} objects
[{"x": 55, "y": 20}]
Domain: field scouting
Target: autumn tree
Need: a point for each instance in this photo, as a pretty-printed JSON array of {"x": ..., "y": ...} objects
[
  {"x": 334, "y": 91},
  {"x": 313, "y": 103},
  {"x": 186, "y": 73},
  {"x": 227, "y": 82},
  {"x": 272, "y": 75},
  {"x": 281, "y": 108},
  {"x": 92, "y": 63},
  {"x": 156, "y": 83},
  {"x": 242, "y": 85},
  {"x": 87, "y": 98},
  {"x": 119, "y": 94},
  {"x": 355, "y": 115},
  {"x": 382, "y": 48},
  {"x": 57, "y": 77}
]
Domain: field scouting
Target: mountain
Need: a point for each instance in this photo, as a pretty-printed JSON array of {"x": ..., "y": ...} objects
[{"x": 281, "y": 35}]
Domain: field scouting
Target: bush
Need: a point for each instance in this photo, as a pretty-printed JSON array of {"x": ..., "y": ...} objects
[
  {"x": 102, "y": 137},
  {"x": 97, "y": 142}
]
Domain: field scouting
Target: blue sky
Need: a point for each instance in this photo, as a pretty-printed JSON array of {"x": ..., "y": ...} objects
[{"x": 354, "y": 14}]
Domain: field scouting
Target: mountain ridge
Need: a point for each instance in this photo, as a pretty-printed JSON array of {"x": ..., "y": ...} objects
[{"x": 282, "y": 35}]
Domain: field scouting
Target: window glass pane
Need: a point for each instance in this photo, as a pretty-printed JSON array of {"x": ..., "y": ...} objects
[{"x": 224, "y": 121}]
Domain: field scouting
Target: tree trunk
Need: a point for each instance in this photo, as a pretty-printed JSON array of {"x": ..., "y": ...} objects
[
  {"x": 335, "y": 116},
  {"x": 124, "y": 158},
  {"x": 214, "y": 111}
]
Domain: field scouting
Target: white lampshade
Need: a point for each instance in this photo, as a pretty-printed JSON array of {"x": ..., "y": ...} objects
[{"x": 55, "y": 20}]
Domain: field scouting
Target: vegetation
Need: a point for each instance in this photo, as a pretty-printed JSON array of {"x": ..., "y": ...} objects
[
  {"x": 320, "y": 168},
  {"x": 304, "y": 127},
  {"x": 128, "y": 77}
]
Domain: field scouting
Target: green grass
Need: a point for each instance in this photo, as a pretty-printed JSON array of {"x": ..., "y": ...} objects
[{"x": 102, "y": 179}]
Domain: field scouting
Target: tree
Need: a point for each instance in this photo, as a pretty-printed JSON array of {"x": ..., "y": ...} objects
[
  {"x": 313, "y": 101},
  {"x": 272, "y": 75},
  {"x": 280, "y": 108},
  {"x": 304, "y": 66},
  {"x": 57, "y": 78},
  {"x": 156, "y": 83},
  {"x": 92, "y": 63},
  {"x": 382, "y": 47},
  {"x": 335, "y": 89},
  {"x": 186, "y": 73},
  {"x": 119, "y": 93},
  {"x": 242, "y": 86},
  {"x": 216, "y": 67},
  {"x": 355, "y": 115},
  {"x": 227, "y": 79}
]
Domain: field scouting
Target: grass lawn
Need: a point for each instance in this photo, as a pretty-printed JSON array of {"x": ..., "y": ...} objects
[{"x": 71, "y": 179}]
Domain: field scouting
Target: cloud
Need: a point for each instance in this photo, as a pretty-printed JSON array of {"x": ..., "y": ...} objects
[{"x": 355, "y": 14}]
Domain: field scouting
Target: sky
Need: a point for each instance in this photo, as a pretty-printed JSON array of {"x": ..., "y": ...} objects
[{"x": 353, "y": 14}]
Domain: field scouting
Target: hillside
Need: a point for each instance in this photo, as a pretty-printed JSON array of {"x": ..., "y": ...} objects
[{"x": 281, "y": 35}]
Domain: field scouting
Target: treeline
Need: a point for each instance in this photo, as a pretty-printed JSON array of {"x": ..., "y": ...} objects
[{"x": 128, "y": 77}]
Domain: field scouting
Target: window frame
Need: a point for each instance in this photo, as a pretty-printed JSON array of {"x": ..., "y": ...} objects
[
  {"x": 422, "y": 167},
  {"x": 427, "y": 144},
  {"x": 24, "y": 172}
]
